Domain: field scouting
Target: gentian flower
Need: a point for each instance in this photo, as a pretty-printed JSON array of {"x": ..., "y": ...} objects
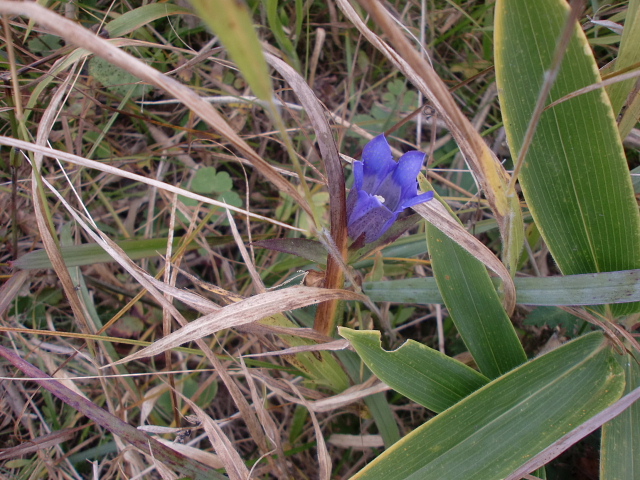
[{"x": 382, "y": 189}]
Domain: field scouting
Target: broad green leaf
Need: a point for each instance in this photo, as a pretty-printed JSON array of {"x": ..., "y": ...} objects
[
  {"x": 493, "y": 431},
  {"x": 587, "y": 289},
  {"x": 620, "y": 450},
  {"x": 418, "y": 372},
  {"x": 575, "y": 178},
  {"x": 474, "y": 306},
  {"x": 231, "y": 21}
]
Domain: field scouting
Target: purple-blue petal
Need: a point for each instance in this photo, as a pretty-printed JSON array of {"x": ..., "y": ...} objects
[
  {"x": 352, "y": 199},
  {"x": 375, "y": 235},
  {"x": 409, "y": 167},
  {"x": 373, "y": 224},
  {"x": 358, "y": 174},
  {"x": 382, "y": 189},
  {"x": 363, "y": 204},
  {"x": 391, "y": 191},
  {"x": 378, "y": 163},
  {"x": 410, "y": 202}
]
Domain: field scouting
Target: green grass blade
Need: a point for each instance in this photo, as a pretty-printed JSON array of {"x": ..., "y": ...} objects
[
  {"x": 474, "y": 306},
  {"x": 92, "y": 253},
  {"x": 587, "y": 289},
  {"x": 377, "y": 404},
  {"x": 496, "y": 429},
  {"x": 418, "y": 372},
  {"x": 629, "y": 54},
  {"x": 620, "y": 450},
  {"x": 281, "y": 35},
  {"x": 575, "y": 177},
  {"x": 231, "y": 21},
  {"x": 384, "y": 417},
  {"x": 138, "y": 17}
]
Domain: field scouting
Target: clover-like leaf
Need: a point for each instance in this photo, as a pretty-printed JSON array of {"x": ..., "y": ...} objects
[{"x": 208, "y": 180}]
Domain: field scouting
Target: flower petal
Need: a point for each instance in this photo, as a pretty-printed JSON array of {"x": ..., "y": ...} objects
[
  {"x": 382, "y": 189},
  {"x": 378, "y": 163},
  {"x": 352, "y": 199},
  {"x": 359, "y": 205},
  {"x": 358, "y": 174},
  {"x": 410, "y": 202},
  {"x": 373, "y": 224},
  {"x": 408, "y": 168},
  {"x": 391, "y": 191}
]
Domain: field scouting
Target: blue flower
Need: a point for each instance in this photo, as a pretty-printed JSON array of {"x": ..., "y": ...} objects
[{"x": 382, "y": 189}]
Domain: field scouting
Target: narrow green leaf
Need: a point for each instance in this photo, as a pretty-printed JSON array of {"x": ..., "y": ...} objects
[
  {"x": 620, "y": 450},
  {"x": 587, "y": 289},
  {"x": 423, "y": 291},
  {"x": 138, "y": 17},
  {"x": 496, "y": 429},
  {"x": 474, "y": 306},
  {"x": 231, "y": 21},
  {"x": 302, "y": 247},
  {"x": 377, "y": 404},
  {"x": 384, "y": 417},
  {"x": 628, "y": 54},
  {"x": 418, "y": 372},
  {"x": 92, "y": 253},
  {"x": 279, "y": 32},
  {"x": 575, "y": 177}
]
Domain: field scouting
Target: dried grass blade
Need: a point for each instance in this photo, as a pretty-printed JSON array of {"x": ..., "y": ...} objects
[
  {"x": 324, "y": 460},
  {"x": 76, "y": 160},
  {"x": 255, "y": 276},
  {"x": 351, "y": 395},
  {"x": 43, "y": 216},
  {"x": 42, "y": 442},
  {"x": 121, "y": 257},
  {"x": 11, "y": 288},
  {"x": 246, "y": 311},
  {"x": 195, "y": 301},
  {"x": 233, "y": 463},
  {"x": 185, "y": 466},
  {"x": 268, "y": 424},
  {"x": 77, "y": 35},
  {"x": 335, "y": 345}
]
